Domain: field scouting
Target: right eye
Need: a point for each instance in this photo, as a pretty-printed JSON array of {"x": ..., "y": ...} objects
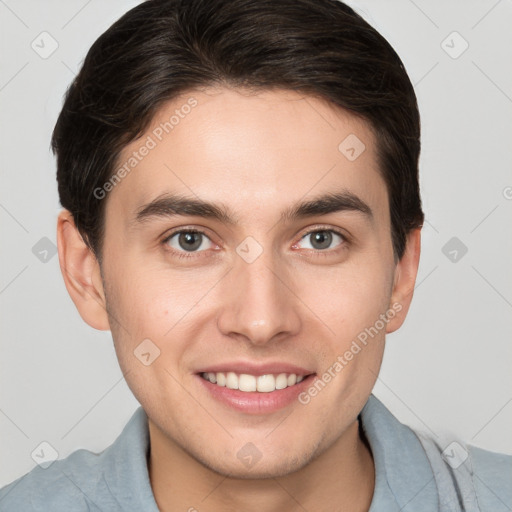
[{"x": 188, "y": 240}]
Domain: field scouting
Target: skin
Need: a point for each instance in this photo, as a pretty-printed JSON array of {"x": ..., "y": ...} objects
[{"x": 257, "y": 154}]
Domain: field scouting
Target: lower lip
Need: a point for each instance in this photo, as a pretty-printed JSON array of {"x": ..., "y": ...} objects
[{"x": 254, "y": 402}]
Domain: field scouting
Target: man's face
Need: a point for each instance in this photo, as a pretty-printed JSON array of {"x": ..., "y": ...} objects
[{"x": 261, "y": 293}]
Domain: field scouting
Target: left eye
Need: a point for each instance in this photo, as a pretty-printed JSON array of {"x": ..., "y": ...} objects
[
  {"x": 188, "y": 241},
  {"x": 322, "y": 239}
]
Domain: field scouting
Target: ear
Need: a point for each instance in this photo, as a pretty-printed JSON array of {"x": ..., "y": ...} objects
[
  {"x": 405, "y": 278},
  {"x": 81, "y": 272}
]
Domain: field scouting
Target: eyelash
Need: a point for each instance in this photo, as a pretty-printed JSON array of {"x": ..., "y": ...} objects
[
  {"x": 183, "y": 254},
  {"x": 327, "y": 252},
  {"x": 195, "y": 254}
]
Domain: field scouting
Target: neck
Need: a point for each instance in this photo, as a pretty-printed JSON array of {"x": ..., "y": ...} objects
[{"x": 343, "y": 474}]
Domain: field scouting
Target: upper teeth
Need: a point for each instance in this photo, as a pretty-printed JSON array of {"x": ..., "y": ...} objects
[{"x": 246, "y": 382}]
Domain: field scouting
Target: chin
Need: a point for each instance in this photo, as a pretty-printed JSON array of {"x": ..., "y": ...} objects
[
  {"x": 259, "y": 471},
  {"x": 260, "y": 466}
]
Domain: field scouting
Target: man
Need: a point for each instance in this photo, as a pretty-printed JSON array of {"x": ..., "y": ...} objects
[{"x": 242, "y": 211}]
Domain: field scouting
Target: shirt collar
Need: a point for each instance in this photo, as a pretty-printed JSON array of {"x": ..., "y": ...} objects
[
  {"x": 126, "y": 466},
  {"x": 404, "y": 480}
]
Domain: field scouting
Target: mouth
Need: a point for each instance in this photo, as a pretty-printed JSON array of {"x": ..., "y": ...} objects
[
  {"x": 248, "y": 383},
  {"x": 255, "y": 391}
]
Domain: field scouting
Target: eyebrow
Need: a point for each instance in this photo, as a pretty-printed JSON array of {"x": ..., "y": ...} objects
[
  {"x": 328, "y": 203},
  {"x": 170, "y": 205}
]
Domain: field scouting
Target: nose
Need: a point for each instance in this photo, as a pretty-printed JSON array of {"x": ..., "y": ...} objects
[{"x": 259, "y": 304}]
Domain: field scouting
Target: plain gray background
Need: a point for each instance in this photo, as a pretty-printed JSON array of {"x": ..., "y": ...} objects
[{"x": 446, "y": 372}]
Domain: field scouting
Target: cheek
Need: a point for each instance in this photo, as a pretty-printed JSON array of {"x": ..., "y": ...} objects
[
  {"x": 148, "y": 297},
  {"x": 352, "y": 301},
  {"x": 158, "y": 304},
  {"x": 148, "y": 312},
  {"x": 349, "y": 297}
]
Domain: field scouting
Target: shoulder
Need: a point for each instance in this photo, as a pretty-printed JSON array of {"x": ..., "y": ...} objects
[
  {"x": 478, "y": 479},
  {"x": 492, "y": 477},
  {"x": 115, "y": 479},
  {"x": 426, "y": 473},
  {"x": 65, "y": 485}
]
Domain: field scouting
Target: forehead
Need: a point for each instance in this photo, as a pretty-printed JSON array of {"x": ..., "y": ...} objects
[{"x": 253, "y": 151}]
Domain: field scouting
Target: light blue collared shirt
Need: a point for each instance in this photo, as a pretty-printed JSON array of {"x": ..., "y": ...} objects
[{"x": 411, "y": 475}]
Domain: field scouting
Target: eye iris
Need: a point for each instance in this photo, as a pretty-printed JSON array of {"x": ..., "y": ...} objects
[
  {"x": 189, "y": 241},
  {"x": 321, "y": 239}
]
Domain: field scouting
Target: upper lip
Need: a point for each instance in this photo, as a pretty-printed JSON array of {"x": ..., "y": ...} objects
[{"x": 256, "y": 369}]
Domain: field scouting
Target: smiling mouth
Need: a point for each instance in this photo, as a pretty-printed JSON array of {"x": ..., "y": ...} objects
[{"x": 250, "y": 383}]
